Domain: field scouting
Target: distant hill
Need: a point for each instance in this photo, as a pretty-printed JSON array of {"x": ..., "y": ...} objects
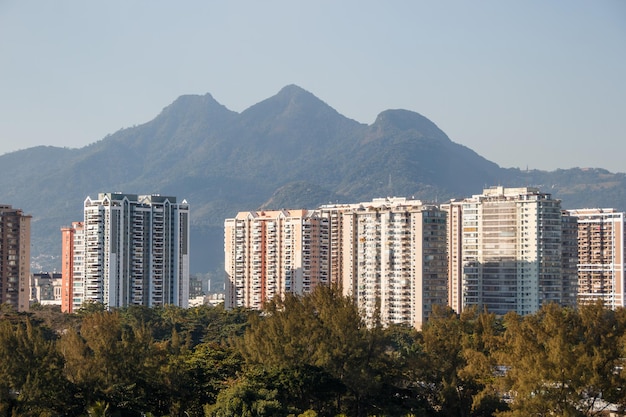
[{"x": 290, "y": 150}]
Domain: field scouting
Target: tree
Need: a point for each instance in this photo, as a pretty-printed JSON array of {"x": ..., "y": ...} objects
[
  {"x": 322, "y": 330},
  {"x": 31, "y": 379},
  {"x": 564, "y": 361},
  {"x": 458, "y": 363},
  {"x": 195, "y": 377},
  {"x": 246, "y": 398},
  {"x": 110, "y": 362}
]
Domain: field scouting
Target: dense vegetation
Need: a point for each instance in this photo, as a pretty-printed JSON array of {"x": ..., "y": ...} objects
[{"x": 309, "y": 356}]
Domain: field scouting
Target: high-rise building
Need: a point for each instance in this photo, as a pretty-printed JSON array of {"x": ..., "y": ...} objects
[
  {"x": 14, "y": 257},
  {"x": 454, "y": 228},
  {"x": 601, "y": 236},
  {"x": 389, "y": 255},
  {"x": 510, "y": 250},
  {"x": 271, "y": 253},
  {"x": 136, "y": 252},
  {"x": 393, "y": 257},
  {"x": 72, "y": 267}
]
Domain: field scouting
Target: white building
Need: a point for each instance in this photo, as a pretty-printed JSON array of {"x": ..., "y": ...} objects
[
  {"x": 393, "y": 258},
  {"x": 45, "y": 288},
  {"x": 510, "y": 250},
  {"x": 136, "y": 251}
]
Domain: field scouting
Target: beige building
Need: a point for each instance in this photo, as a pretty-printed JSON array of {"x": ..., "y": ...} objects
[
  {"x": 601, "y": 256},
  {"x": 393, "y": 259},
  {"x": 510, "y": 249},
  {"x": 389, "y": 255},
  {"x": 271, "y": 253},
  {"x": 14, "y": 258}
]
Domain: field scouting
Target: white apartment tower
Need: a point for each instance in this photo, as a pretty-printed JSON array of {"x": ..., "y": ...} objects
[
  {"x": 271, "y": 253},
  {"x": 393, "y": 258},
  {"x": 601, "y": 256},
  {"x": 510, "y": 250},
  {"x": 136, "y": 251},
  {"x": 388, "y": 255}
]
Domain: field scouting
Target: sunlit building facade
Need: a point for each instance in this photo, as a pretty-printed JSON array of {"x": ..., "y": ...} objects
[
  {"x": 393, "y": 254},
  {"x": 72, "y": 267},
  {"x": 601, "y": 256},
  {"x": 388, "y": 255},
  {"x": 510, "y": 249},
  {"x": 136, "y": 251},
  {"x": 272, "y": 253}
]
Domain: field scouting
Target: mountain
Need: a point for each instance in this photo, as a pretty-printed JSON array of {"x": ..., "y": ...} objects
[{"x": 290, "y": 150}]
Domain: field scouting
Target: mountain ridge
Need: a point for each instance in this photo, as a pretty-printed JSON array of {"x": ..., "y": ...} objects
[{"x": 291, "y": 148}]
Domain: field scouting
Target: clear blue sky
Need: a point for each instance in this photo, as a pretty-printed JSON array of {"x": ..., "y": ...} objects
[{"x": 527, "y": 83}]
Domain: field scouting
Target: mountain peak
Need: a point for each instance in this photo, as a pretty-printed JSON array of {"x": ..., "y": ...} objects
[
  {"x": 189, "y": 102},
  {"x": 399, "y": 120},
  {"x": 291, "y": 103},
  {"x": 294, "y": 92},
  {"x": 189, "y": 109}
]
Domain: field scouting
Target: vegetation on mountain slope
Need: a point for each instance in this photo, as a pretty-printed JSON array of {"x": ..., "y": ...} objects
[{"x": 287, "y": 151}]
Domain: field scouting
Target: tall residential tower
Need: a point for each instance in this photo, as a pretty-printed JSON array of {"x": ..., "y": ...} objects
[
  {"x": 393, "y": 257},
  {"x": 136, "y": 252},
  {"x": 601, "y": 236},
  {"x": 271, "y": 253},
  {"x": 510, "y": 250},
  {"x": 388, "y": 255},
  {"x": 14, "y": 258}
]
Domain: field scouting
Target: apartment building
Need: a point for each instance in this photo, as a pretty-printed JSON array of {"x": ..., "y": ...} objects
[
  {"x": 510, "y": 249},
  {"x": 72, "y": 267},
  {"x": 271, "y": 253},
  {"x": 389, "y": 255},
  {"x": 129, "y": 250},
  {"x": 393, "y": 257},
  {"x": 600, "y": 256},
  {"x": 14, "y": 257}
]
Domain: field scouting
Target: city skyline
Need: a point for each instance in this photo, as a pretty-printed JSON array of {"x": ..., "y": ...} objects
[{"x": 501, "y": 79}]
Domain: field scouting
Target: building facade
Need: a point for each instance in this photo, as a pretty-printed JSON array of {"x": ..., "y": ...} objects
[
  {"x": 510, "y": 249},
  {"x": 14, "y": 258},
  {"x": 388, "y": 255},
  {"x": 393, "y": 255},
  {"x": 601, "y": 236},
  {"x": 72, "y": 267},
  {"x": 129, "y": 250},
  {"x": 271, "y": 253}
]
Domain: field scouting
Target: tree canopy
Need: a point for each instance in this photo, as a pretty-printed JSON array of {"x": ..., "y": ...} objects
[{"x": 310, "y": 356}]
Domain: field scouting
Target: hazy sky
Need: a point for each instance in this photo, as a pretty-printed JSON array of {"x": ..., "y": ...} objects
[{"x": 538, "y": 84}]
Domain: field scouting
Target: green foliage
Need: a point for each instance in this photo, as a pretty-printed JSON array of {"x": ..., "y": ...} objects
[
  {"x": 565, "y": 362},
  {"x": 246, "y": 398},
  {"x": 459, "y": 364},
  {"x": 325, "y": 331},
  {"x": 310, "y": 356}
]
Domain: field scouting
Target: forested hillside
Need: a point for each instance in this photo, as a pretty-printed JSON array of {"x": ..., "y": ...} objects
[
  {"x": 291, "y": 150},
  {"x": 309, "y": 356}
]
